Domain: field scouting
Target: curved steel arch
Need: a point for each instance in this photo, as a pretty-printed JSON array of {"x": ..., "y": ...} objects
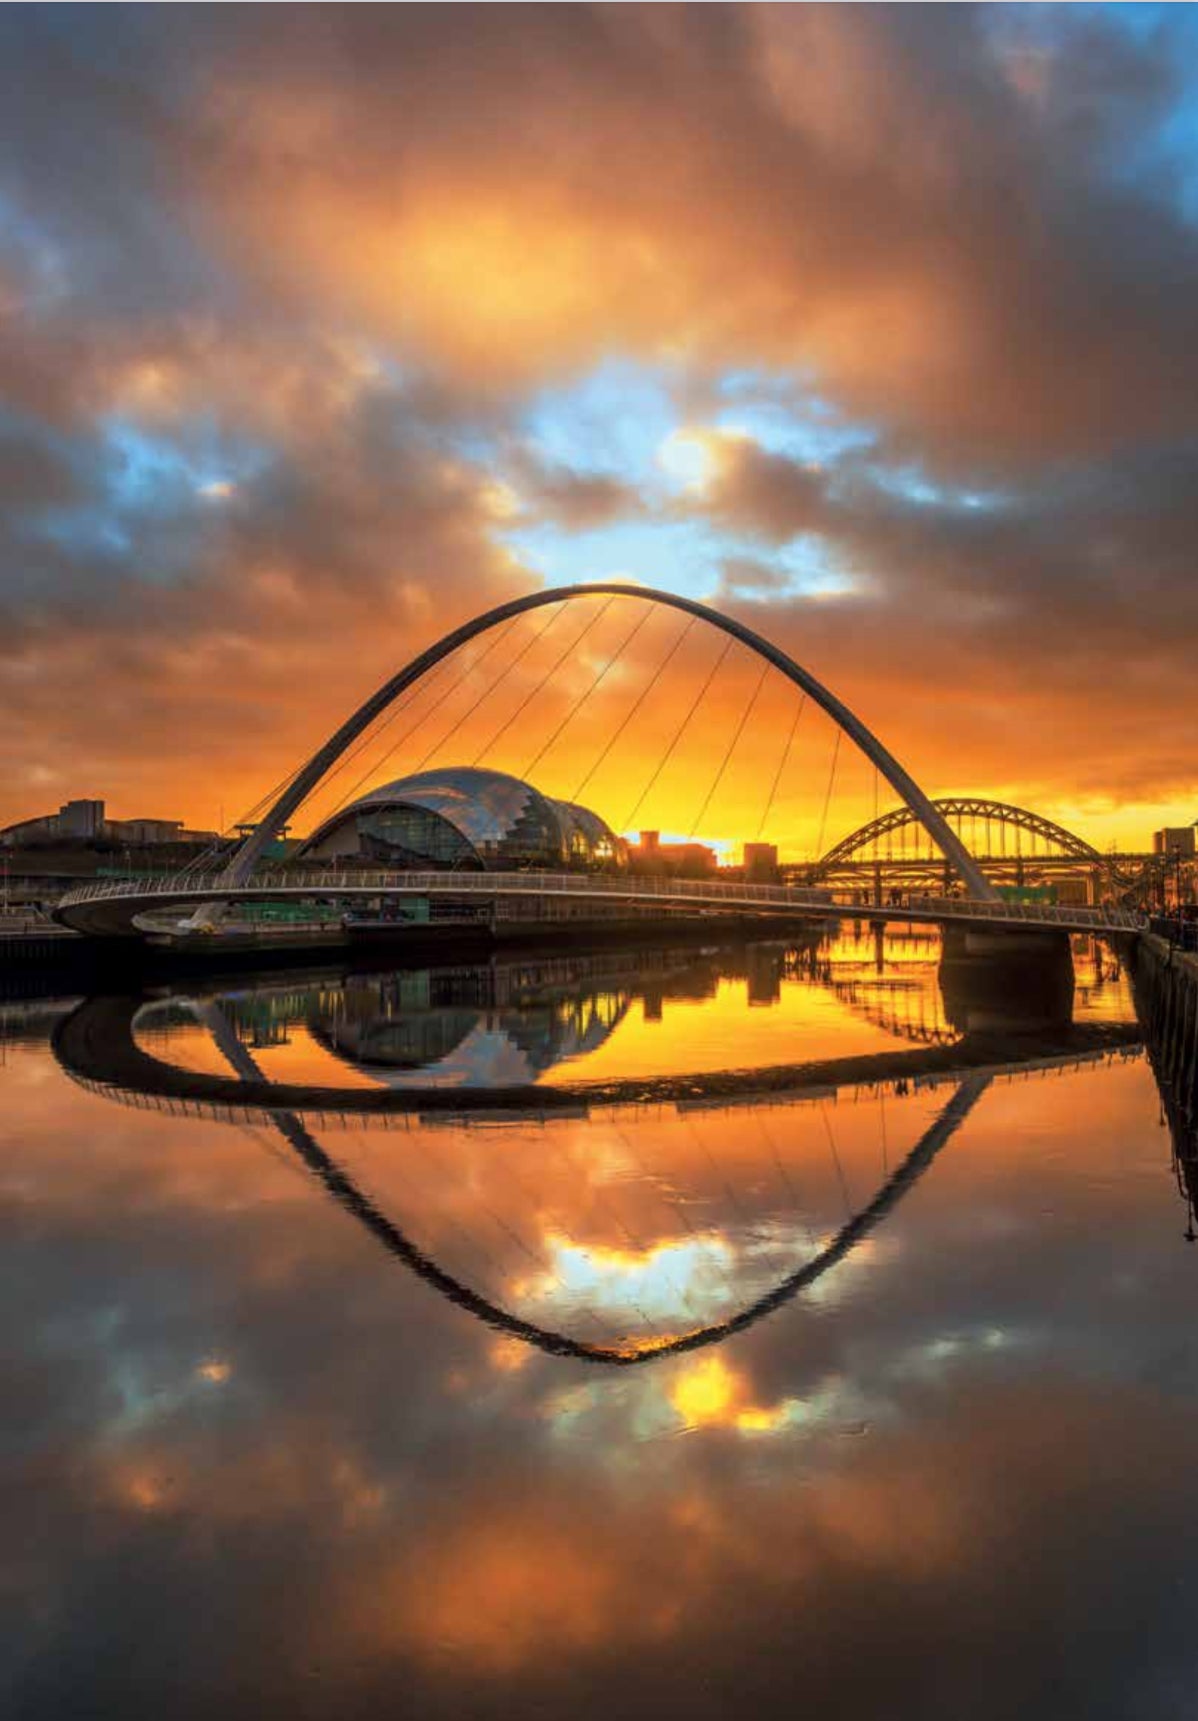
[
  {"x": 325, "y": 757},
  {"x": 967, "y": 807}
]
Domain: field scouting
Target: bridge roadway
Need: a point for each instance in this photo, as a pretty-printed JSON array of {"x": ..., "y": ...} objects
[{"x": 117, "y": 908}]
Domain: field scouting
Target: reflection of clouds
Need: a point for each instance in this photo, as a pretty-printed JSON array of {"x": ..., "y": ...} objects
[
  {"x": 509, "y": 1593},
  {"x": 649, "y": 1280},
  {"x": 708, "y": 1392},
  {"x": 677, "y": 1284},
  {"x": 385, "y": 1491}
]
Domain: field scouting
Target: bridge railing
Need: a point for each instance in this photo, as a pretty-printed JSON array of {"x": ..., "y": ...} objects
[
  {"x": 529, "y": 883},
  {"x": 190, "y": 886},
  {"x": 1034, "y": 913}
]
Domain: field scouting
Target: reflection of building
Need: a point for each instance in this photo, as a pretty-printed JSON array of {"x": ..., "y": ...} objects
[
  {"x": 467, "y": 818},
  {"x": 503, "y": 1022},
  {"x": 685, "y": 860},
  {"x": 450, "y": 1027}
]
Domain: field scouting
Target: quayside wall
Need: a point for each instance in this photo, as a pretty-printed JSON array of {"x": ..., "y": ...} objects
[{"x": 1165, "y": 982}]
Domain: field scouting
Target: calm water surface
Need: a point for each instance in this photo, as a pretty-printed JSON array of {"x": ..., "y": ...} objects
[{"x": 878, "y": 1397}]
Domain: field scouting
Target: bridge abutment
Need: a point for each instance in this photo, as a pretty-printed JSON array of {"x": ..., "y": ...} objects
[
  {"x": 1024, "y": 944},
  {"x": 1006, "y": 981}
]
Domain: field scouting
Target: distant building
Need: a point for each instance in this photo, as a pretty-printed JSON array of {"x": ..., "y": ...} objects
[
  {"x": 1174, "y": 839},
  {"x": 674, "y": 860},
  {"x": 83, "y": 822},
  {"x": 761, "y": 862},
  {"x": 80, "y": 819},
  {"x": 148, "y": 830}
]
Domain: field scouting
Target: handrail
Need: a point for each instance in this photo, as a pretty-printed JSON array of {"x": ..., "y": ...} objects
[{"x": 217, "y": 887}]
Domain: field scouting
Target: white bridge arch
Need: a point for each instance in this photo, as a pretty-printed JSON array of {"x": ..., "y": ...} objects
[{"x": 325, "y": 757}]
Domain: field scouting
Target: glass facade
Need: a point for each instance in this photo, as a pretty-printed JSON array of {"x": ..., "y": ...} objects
[{"x": 466, "y": 818}]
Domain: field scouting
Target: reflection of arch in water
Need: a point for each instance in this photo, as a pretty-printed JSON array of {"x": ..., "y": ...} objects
[
  {"x": 899, "y": 1004},
  {"x": 898, "y": 1007},
  {"x": 339, "y": 1184},
  {"x": 342, "y": 1187}
]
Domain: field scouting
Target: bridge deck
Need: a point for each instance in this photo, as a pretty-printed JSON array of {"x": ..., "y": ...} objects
[{"x": 113, "y": 906}]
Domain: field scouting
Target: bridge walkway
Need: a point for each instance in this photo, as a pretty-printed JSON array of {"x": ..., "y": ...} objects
[{"x": 114, "y": 907}]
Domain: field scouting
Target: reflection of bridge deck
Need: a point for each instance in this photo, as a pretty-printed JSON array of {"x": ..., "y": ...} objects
[
  {"x": 115, "y": 908},
  {"x": 96, "y": 1045},
  {"x": 84, "y": 1033}
]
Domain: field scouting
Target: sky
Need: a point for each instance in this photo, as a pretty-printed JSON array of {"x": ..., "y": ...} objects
[{"x": 323, "y": 330}]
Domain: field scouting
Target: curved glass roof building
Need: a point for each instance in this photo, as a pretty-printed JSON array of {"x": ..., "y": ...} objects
[{"x": 466, "y": 818}]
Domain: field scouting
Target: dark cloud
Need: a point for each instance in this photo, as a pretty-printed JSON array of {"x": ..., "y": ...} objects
[
  {"x": 579, "y": 501},
  {"x": 326, "y": 267}
]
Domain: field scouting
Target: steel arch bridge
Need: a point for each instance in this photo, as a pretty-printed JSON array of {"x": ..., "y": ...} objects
[
  {"x": 114, "y": 908},
  {"x": 1046, "y": 839},
  {"x": 1011, "y": 845},
  {"x": 323, "y": 760}
]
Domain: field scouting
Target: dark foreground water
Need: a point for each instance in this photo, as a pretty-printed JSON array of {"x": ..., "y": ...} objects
[{"x": 873, "y": 1398}]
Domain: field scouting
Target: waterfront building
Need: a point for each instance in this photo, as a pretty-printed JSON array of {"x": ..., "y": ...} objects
[
  {"x": 85, "y": 822},
  {"x": 1174, "y": 840},
  {"x": 467, "y": 818},
  {"x": 682, "y": 860},
  {"x": 761, "y": 862}
]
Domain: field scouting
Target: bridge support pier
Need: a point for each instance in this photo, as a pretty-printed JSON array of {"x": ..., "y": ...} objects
[
  {"x": 995, "y": 981},
  {"x": 1004, "y": 944}
]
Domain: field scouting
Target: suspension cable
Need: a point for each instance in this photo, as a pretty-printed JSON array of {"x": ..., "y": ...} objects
[
  {"x": 731, "y": 748},
  {"x": 575, "y": 709},
  {"x": 272, "y": 795},
  {"x": 637, "y": 703},
  {"x": 678, "y": 734},
  {"x": 372, "y": 735},
  {"x": 549, "y": 673},
  {"x": 490, "y": 688},
  {"x": 835, "y": 1151},
  {"x": 781, "y": 765},
  {"x": 823, "y": 824},
  {"x": 405, "y": 704},
  {"x": 211, "y": 851},
  {"x": 421, "y": 721}
]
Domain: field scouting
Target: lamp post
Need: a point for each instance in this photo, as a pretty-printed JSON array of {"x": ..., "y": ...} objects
[{"x": 1179, "y": 878}]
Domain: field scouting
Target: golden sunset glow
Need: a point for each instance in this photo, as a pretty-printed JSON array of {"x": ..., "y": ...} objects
[
  {"x": 405, "y": 322},
  {"x": 598, "y": 860}
]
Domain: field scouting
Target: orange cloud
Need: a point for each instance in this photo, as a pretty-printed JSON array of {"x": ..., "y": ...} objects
[{"x": 355, "y": 257}]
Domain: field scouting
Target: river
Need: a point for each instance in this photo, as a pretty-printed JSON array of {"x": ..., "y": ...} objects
[{"x": 678, "y": 1330}]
